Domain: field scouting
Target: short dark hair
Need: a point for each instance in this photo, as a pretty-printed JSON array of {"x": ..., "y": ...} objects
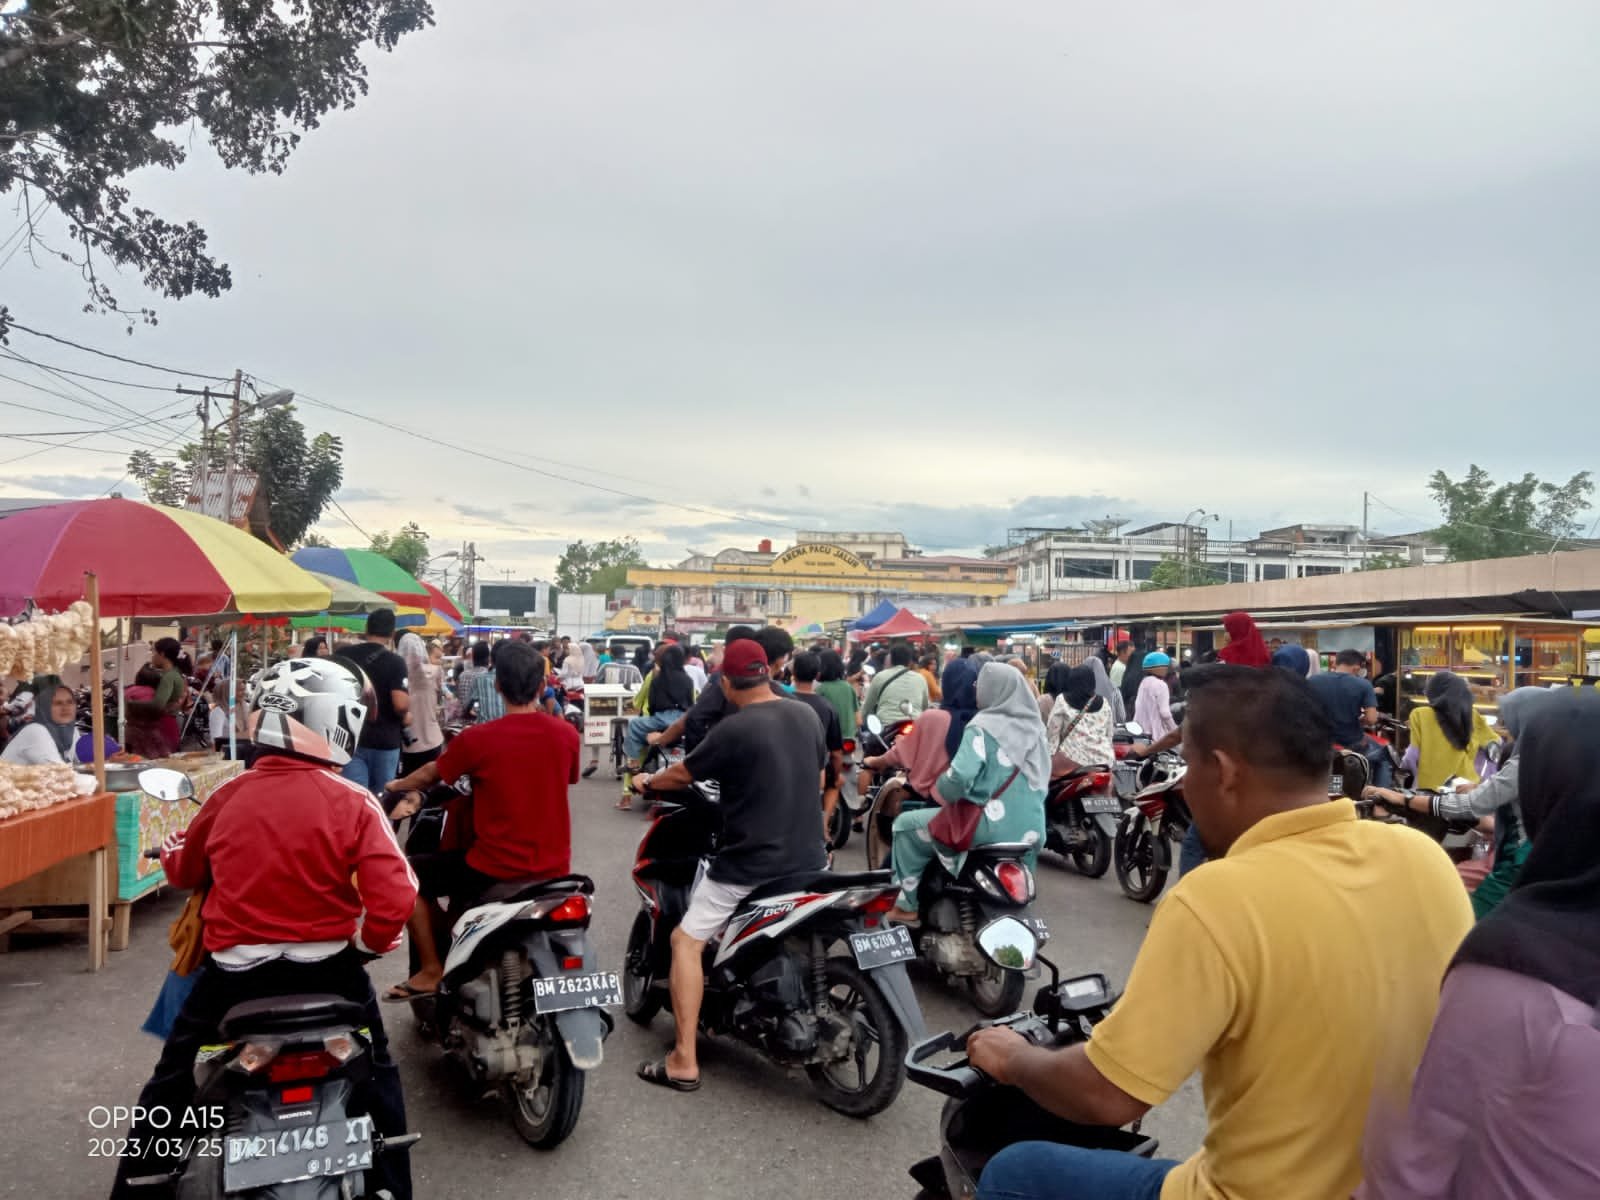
[
  {"x": 380, "y": 623},
  {"x": 170, "y": 649},
  {"x": 1269, "y": 719},
  {"x": 832, "y": 666},
  {"x": 1121, "y": 646},
  {"x": 480, "y": 654},
  {"x": 739, "y": 633},
  {"x": 216, "y": 645},
  {"x": 807, "y": 666},
  {"x": 900, "y": 654},
  {"x": 968, "y": 651},
  {"x": 776, "y": 642},
  {"x": 518, "y": 672},
  {"x": 1350, "y": 658},
  {"x": 748, "y": 685}
]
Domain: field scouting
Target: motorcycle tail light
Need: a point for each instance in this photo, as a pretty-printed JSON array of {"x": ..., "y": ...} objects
[
  {"x": 1016, "y": 880},
  {"x": 302, "y": 1064},
  {"x": 572, "y": 963},
  {"x": 340, "y": 1046},
  {"x": 905, "y": 728},
  {"x": 1100, "y": 779},
  {"x": 849, "y": 745},
  {"x": 879, "y": 904},
  {"x": 297, "y": 1095},
  {"x": 573, "y": 908}
]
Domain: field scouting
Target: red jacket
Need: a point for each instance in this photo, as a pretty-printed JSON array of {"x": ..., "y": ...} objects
[{"x": 280, "y": 845}]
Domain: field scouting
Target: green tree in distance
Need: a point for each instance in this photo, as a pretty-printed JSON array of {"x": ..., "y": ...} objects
[
  {"x": 1483, "y": 519},
  {"x": 1178, "y": 570},
  {"x": 297, "y": 477},
  {"x": 597, "y": 566},
  {"x": 93, "y": 91},
  {"x": 1385, "y": 562},
  {"x": 407, "y": 549}
]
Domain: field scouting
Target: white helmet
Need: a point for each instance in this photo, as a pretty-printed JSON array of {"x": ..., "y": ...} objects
[{"x": 313, "y": 707}]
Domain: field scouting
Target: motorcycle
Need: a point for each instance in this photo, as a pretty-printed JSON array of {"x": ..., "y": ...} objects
[
  {"x": 980, "y": 1117},
  {"x": 285, "y": 1078},
  {"x": 521, "y": 1005},
  {"x": 877, "y": 816},
  {"x": 994, "y": 882},
  {"x": 1080, "y": 812},
  {"x": 1156, "y": 820},
  {"x": 773, "y": 979}
]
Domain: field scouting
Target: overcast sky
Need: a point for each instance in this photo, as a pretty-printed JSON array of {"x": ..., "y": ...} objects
[{"x": 936, "y": 267}]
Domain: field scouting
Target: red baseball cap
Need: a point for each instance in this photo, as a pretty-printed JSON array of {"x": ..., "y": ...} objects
[{"x": 745, "y": 660}]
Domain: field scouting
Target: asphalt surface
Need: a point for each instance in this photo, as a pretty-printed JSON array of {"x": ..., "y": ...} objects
[{"x": 70, "y": 1041}]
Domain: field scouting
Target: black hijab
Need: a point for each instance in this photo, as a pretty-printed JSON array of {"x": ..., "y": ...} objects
[
  {"x": 671, "y": 689},
  {"x": 1079, "y": 689},
  {"x": 1055, "y": 679},
  {"x": 1451, "y": 701},
  {"x": 1548, "y": 927}
]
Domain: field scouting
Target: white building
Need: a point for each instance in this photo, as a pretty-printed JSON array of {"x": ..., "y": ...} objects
[{"x": 1053, "y": 563}]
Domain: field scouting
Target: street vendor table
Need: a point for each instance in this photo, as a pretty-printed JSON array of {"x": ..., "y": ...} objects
[
  {"x": 141, "y": 823},
  {"x": 70, "y": 837}
]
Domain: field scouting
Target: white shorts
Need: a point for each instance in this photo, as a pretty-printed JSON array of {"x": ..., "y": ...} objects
[{"x": 710, "y": 905}]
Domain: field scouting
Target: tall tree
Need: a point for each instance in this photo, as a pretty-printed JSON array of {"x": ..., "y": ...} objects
[
  {"x": 407, "y": 549},
  {"x": 297, "y": 477},
  {"x": 91, "y": 91},
  {"x": 1181, "y": 570},
  {"x": 597, "y": 566},
  {"x": 1483, "y": 519}
]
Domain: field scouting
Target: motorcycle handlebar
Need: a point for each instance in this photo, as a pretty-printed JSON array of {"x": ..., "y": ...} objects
[{"x": 956, "y": 1080}]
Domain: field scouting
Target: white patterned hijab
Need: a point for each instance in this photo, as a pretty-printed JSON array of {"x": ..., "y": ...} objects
[{"x": 1008, "y": 712}]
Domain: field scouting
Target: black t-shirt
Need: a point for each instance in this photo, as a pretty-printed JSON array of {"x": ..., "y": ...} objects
[
  {"x": 709, "y": 708},
  {"x": 768, "y": 759},
  {"x": 386, "y": 671},
  {"x": 832, "y": 736},
  {"x": 1343, "y": 697}
]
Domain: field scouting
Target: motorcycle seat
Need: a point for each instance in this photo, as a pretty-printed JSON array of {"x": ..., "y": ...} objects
[
  {"x": 509, "y": 890},
  {"x": 289, "y": 1014},
  {"x": 821, "y": 881},
  {"x": 1001, "y": 850}
]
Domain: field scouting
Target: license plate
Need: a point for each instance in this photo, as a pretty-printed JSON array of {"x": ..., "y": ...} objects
[
  {"x": 881, "y": 948},
  {"x": 1040, "y": 929},
  {"x": 598, "y": 989},
  {"x": 1101, "y": 804},
  {"x": 275, "y": 1156}
]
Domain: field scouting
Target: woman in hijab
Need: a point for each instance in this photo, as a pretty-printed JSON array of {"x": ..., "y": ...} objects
[
  {"x": 1106, "y": 690},
  {"x": 925, "y": 751},
  {"x": 572, "y": 677},
  {"x": 1055, "y": 683},
  {"x": 1079, "y": 730},
  {"x": 49, "y": 737},
  {"x": 424, "y": 736},
  {"x": 1001, "y": 766},
  {"x": 1294, "y": 659},
  {"x": 1447, "y": 733},
  {"x": 1504, "y": 1100},
  {"x": 1496, "y": 797},
  {"x": 1246, "y": 647}
]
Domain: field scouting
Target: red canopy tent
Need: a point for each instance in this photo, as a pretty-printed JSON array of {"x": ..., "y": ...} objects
[{"x": 903, "y": 624}]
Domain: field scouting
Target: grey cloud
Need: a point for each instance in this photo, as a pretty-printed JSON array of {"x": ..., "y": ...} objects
[{"x": 356, "y": 495}]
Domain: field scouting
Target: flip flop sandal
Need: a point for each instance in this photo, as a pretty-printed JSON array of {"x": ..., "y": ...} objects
[
  {"x": 404, "y": 993},
  {"x": 590, "y": 769},
  {"x": 655, "y": 1072}
]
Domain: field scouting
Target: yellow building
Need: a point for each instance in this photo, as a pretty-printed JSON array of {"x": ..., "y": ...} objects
[{"x": 813, "y": 581}]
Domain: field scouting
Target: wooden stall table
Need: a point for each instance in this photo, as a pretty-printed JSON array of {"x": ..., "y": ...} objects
[
  {"x": 140, "y": 823},
  {"x": 75, "y": 836}
]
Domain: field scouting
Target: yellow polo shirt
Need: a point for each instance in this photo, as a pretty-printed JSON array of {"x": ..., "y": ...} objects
[{"x": 1299, "y": 975}]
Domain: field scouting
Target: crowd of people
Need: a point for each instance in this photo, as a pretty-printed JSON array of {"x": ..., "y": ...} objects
[{"x": 1308, "y": 947}]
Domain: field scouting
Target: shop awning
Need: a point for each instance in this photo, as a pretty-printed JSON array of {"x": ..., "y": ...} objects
[{"x": 876, "y": 617}]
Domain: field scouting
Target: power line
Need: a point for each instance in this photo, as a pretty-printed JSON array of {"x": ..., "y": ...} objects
[
  {"x": 476, "y": 452},
  {"x": 147, "y": 387},
  {"x": 85, "y": 437},
  {"x": 350, "y": 519},
  {"x": 149, "y": 366},
  {"x": 1554, "y": 539},
  {"x": 182, "y": 433}
]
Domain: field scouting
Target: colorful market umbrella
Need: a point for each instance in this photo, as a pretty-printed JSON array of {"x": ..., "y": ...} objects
[
  {"x": 350, "y": 598},
  {"x": 365, "y": 569},
  {"x": 440, "y": 603},
  {"x": 151, "y": 562},
  {"x": 904, "y": 623}
]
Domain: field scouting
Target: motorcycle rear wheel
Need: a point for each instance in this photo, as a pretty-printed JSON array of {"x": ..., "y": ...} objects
[
  {"x": 876, "y": 1031},
  {"x": 997, "y": 992},
  {"x": 639, "y": 998},
  {"x": 545, "y": 1112},
  {"x": 1143, "y": 861},
  {"x": 839, "y": 825}
]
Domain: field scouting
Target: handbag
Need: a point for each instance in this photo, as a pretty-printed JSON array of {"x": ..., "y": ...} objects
[{"x": 956, "y": 824}]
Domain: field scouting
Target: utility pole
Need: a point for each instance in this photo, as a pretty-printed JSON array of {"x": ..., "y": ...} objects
[
  {"x": 233, "y": 449},
  {"x": 203, "y": 411},
  {"x": 467, "y": 583}
]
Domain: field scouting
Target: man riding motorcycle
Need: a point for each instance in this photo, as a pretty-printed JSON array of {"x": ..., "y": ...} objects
[
  {"x": 768, "y": 757},
  {"x": 304, "y": 878},
  {"x": 520, "y": 765}
]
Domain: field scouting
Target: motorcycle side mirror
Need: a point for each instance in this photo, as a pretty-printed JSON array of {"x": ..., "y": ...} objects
[
  {"x": 1008, "y": 943},
  {"x": 166, "y": 785},
  {"x": 1134, "y": 728},
  {"x": 874, "y": 726}
]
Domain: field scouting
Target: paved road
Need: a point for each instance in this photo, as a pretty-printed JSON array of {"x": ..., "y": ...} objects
[{"x": 70, "y": 1041}]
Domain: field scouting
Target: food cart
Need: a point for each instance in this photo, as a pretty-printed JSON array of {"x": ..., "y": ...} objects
[{"x": 605, "y": 707}]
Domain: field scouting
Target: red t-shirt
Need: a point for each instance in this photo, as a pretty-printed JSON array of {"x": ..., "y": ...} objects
[{"x": 521, "y": 765}]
